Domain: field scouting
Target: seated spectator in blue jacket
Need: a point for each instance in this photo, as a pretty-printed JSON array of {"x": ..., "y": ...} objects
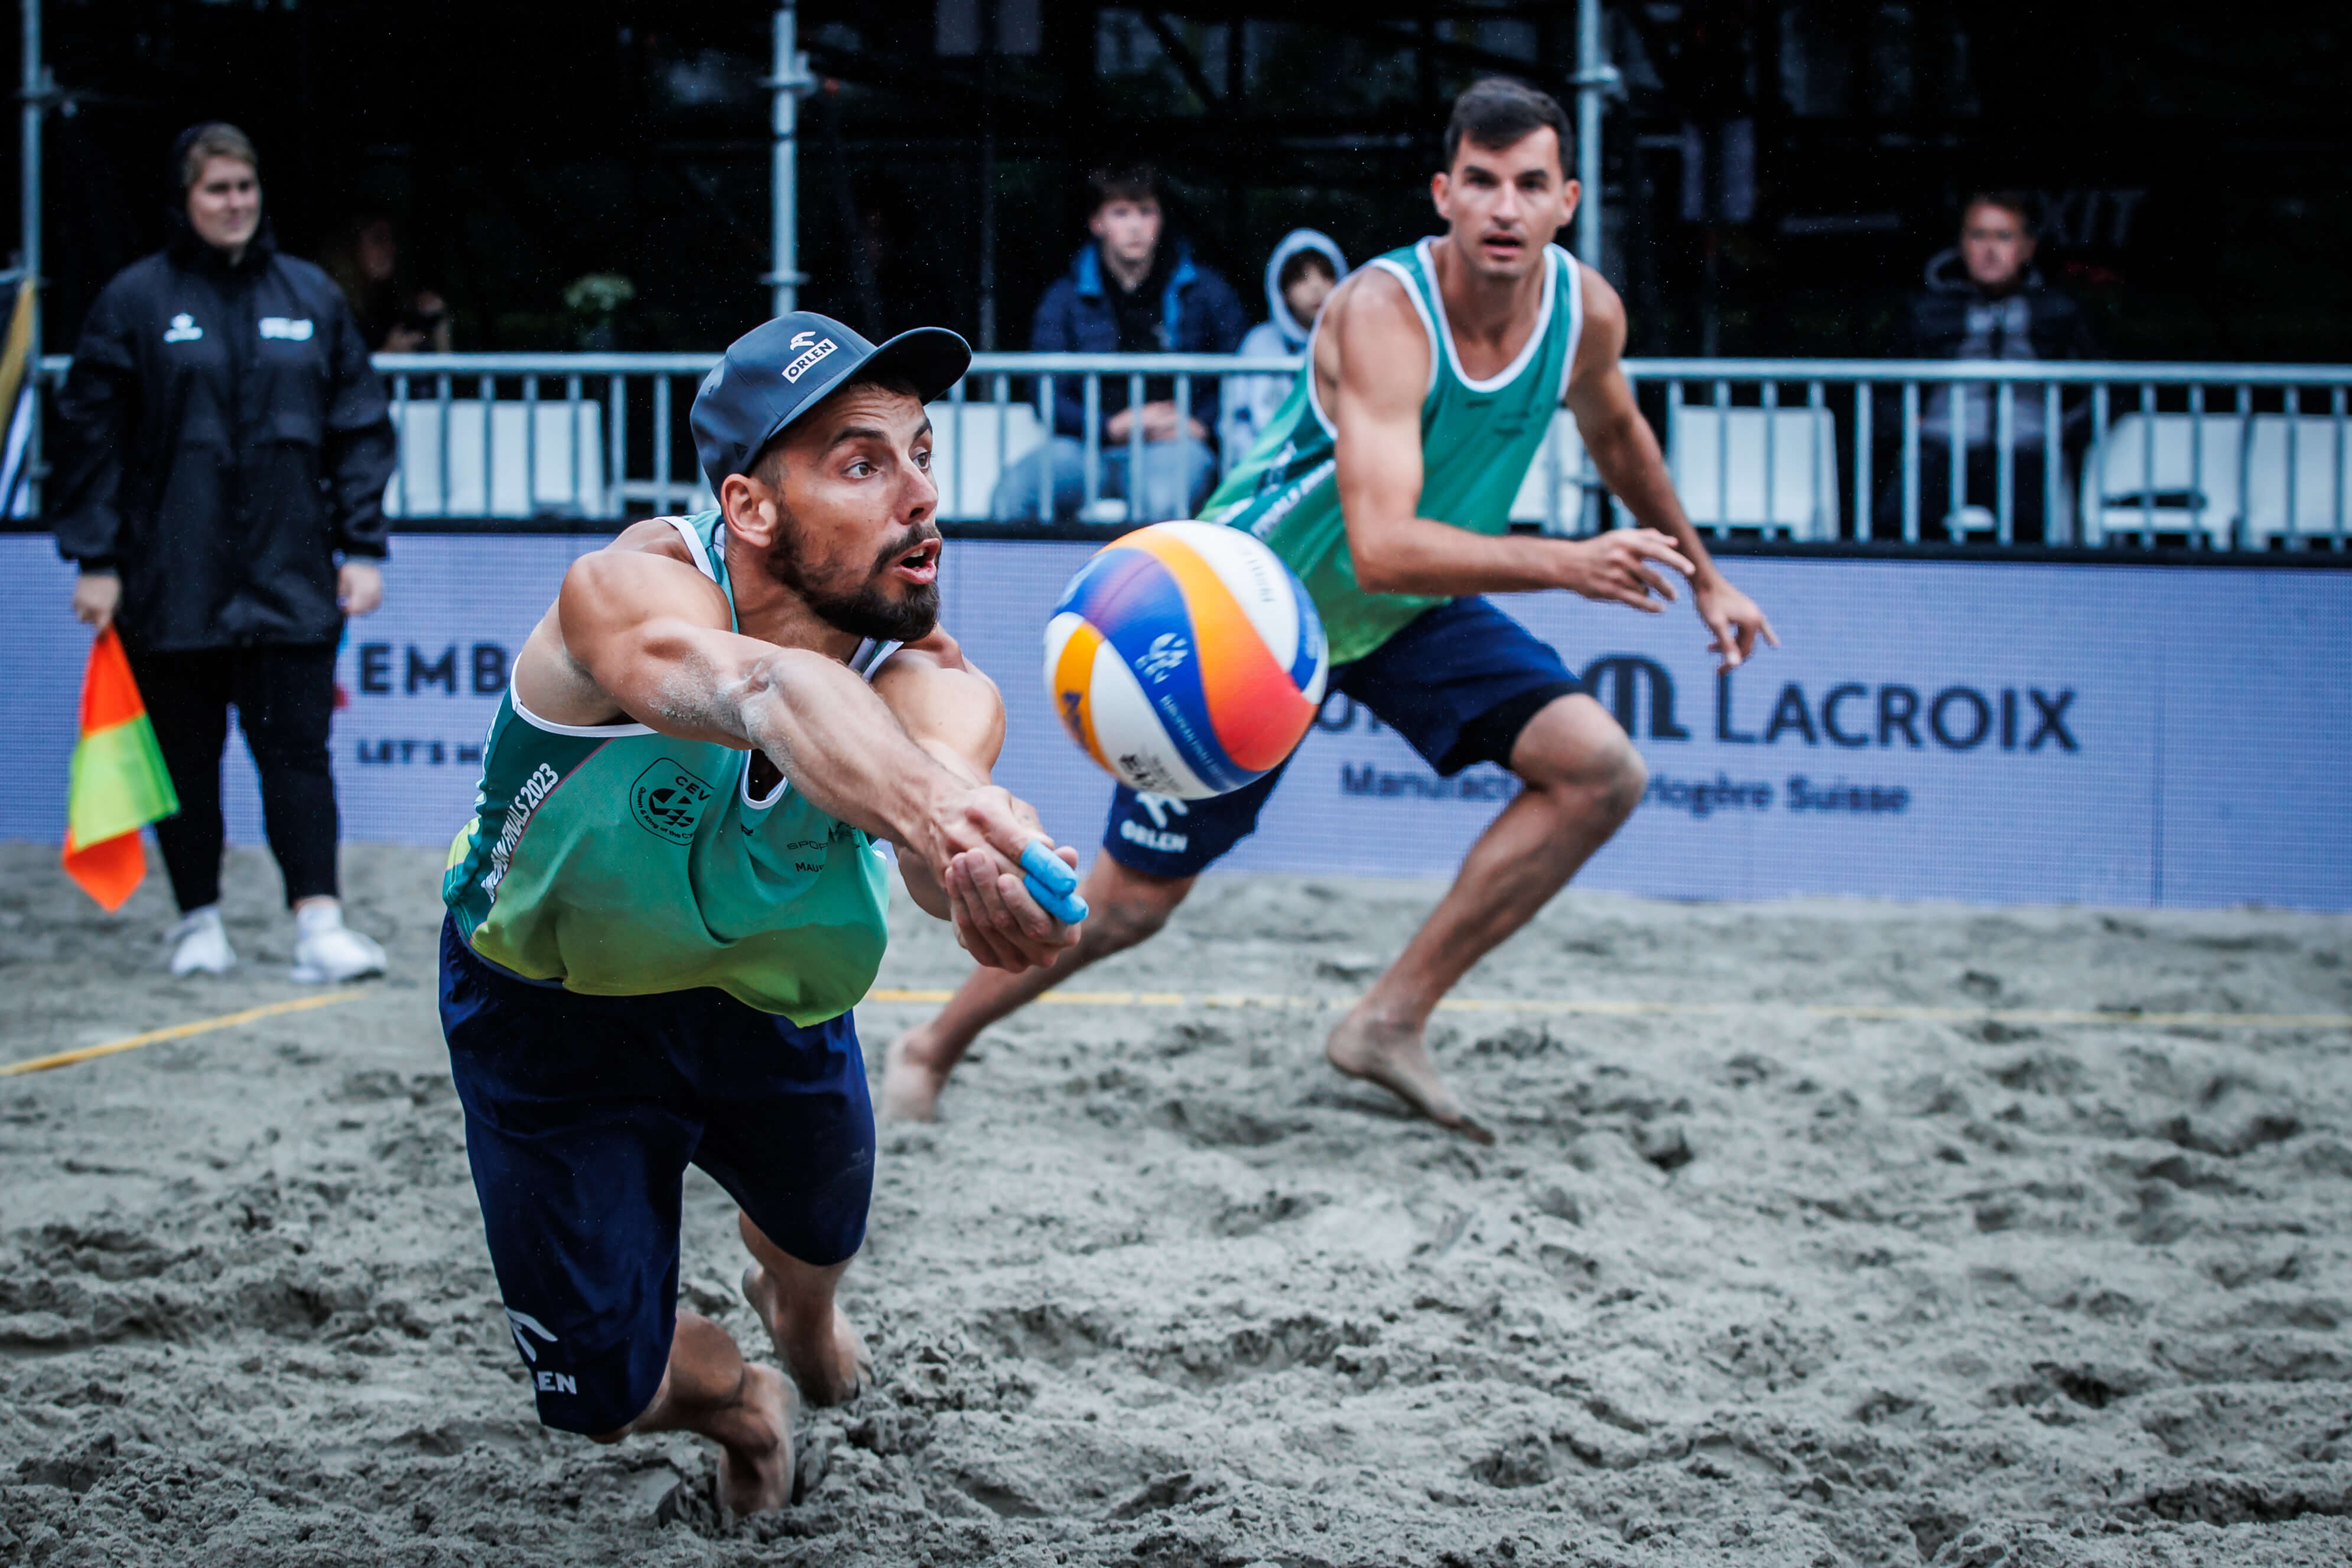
[
  {"x": 1127, "y": 292},
  {"x": 1984, "y": 301}
]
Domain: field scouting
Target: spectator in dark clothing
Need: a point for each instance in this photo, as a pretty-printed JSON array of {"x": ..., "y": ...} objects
[
  {"x": 220, "y": 440},
  {"x": 365, "y": 262},
  {"x": 1129, "y": 292},
  {"x": 1984, "y": 301}
]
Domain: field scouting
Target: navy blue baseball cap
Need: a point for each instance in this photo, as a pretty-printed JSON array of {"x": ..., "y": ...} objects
[{"x": 774, "y": 373}]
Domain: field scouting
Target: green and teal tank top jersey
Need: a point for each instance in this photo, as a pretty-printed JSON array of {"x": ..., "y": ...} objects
[
  {"x": 620, "y": 862},
  {"x": 1478, "y": 439}
]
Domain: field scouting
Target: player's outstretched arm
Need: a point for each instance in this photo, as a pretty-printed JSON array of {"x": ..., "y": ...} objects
[
  {"x": 651, "y": 634},
  {"x": 1626, "y": 454},
  {"x": 1373, "y": 352},
  {"x": 950, "y": 708}
]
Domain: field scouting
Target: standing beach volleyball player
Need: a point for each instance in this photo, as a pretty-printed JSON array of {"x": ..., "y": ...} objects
[
  {"x": 670, "y": 894},
  {"x": 1386, "y": 482}
]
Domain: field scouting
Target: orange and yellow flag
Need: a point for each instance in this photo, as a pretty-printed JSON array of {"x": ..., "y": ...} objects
[{"x": 119, "y": 784}]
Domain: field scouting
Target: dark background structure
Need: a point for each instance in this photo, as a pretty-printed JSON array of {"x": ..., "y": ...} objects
[{"x": 2189, "y": 159}]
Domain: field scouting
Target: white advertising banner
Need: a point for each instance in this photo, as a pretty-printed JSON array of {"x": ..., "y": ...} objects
[{"x": 1992, "y": 733}]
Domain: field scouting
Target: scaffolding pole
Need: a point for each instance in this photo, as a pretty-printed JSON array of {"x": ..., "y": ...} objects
[
  {"x": 788, "y": 78},
  {"x": 1596, "y": 79},
  {"x": 35, "y": 97}
]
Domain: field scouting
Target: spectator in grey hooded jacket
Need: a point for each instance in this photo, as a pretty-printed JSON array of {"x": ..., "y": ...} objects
[{"x": 1300, "y": 274}]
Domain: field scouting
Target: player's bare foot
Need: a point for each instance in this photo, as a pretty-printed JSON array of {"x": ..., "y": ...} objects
[
  {"x": 755, "y": 1458},
  {"x": 1394, "y": 1056},
  {"x": 828, "y": 1360},
  {"x": 709, "y": 1389},
  {"x": 910, "y": 1082}
]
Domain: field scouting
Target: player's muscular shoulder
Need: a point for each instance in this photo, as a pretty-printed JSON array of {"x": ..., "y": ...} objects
[
  {"x": 1370, "y": 339},
  {"x": 654, "y": 536},
  {"x": 944, "y": 701},
  {"x": 936, "y": 651},
  {"x": 1372, "y": 309},
  {"x": 646, "y": 571},
  {"x": 935, "y": 667}
]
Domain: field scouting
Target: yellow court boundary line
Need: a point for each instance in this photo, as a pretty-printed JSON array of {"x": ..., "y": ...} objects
[
  {"x": 1616, "y": 1009},
  {"x": 1504, "y": 1005},
  {"x": 179, "y": 1031}
]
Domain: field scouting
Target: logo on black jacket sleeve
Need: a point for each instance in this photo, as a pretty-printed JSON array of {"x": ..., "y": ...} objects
[{"x": 668, "y": 801}]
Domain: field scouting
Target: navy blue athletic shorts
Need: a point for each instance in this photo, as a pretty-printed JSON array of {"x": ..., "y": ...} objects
[
  {"x": 582, "y": 1115},
  {"x": 1459, "y": 683}
]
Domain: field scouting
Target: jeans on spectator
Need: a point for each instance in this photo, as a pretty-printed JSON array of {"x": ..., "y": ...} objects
[
  {"x": 1982, "y": 474},
  {"x": 285, "y": 699},
  {"x": 1176, "y": 476}
]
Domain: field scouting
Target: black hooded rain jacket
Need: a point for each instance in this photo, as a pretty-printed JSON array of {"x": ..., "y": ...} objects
[{"x": 220, "y": 439}]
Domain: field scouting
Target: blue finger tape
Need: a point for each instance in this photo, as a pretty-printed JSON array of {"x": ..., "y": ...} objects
[
  {"x": 1052, "y": 883},
  {"x": 1044, "y": 866},
  {"x": 1067, "y": 908}
]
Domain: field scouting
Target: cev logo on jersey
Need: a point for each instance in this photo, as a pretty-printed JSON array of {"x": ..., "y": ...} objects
[
  {"x": 182, "y": 329},
  {"x": 292, "y": 328},
  {"x": 668, "y": 801},
  {"x": 801, "y": 363}
]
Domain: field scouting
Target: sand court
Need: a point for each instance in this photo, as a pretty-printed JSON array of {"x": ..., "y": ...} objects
[{"x": 1817, "y": 1232}]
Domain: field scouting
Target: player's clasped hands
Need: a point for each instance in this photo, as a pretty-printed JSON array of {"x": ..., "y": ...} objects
[
  {"x": 983, "y": 834},
  {"x": 1622, "y": 565}
]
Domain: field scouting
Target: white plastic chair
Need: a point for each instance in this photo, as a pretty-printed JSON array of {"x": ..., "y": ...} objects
[
  {"x": 2189, "y": 487},
  {"x": 971, "y": 445},
  {"x": 2308, "y": 506},
  {"x": 563, "y": 473},
  {"x": 1799, "y": 496}
]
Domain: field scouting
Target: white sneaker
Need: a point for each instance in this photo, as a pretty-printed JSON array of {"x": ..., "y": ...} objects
[
  {"x": 200, "y": 944},
  {"x": 327, "y": 951}
]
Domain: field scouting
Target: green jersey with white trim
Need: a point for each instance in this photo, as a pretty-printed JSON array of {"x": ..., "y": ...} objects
[
  {"x": 1478, "y": 440},
  {"x": 621, "y": 862}
]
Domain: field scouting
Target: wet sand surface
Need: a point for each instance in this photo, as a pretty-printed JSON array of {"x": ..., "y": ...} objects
[{"x": 1741, "y": 1282}]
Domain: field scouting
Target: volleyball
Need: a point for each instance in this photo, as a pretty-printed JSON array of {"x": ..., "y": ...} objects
[{"x": 1186, "y": 660}]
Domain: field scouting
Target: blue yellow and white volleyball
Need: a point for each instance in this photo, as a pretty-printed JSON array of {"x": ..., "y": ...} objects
[{"x": 1186, "y": 658}]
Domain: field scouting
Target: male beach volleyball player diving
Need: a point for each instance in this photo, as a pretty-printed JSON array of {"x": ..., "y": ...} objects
[
  {"x": 1386, "y": 482},
  {"x": 669, "y": 896}
]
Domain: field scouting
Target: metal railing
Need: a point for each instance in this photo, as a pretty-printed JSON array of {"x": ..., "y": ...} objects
[
  {"x": 520, "y": 432},
  {"x": 2247, "y": 456}
]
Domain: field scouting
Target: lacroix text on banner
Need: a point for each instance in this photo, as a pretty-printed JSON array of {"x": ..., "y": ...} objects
[{"x": 2000, "y": 733}]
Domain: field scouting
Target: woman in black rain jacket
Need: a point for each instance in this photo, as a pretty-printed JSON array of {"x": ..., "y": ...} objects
[{"x": 222, "y": 447}]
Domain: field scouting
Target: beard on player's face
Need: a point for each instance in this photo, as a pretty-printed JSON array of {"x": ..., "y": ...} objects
[{"x": 864, "y": 605}]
